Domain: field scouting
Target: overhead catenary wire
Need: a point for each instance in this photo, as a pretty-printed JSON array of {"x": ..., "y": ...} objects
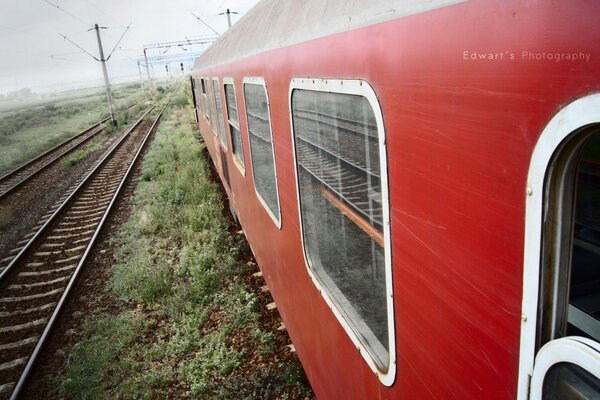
[
  {"x": 207, "y": 25},
  {"x": 68, "y": 13},
  {"x": 121, "y": 38},
  {"x": 79, "y": 47}
]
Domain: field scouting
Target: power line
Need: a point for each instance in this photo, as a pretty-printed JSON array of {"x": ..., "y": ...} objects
[
  {"x": 219, "y": 8},
  {"x": 79, "y": 47},
  {"x": 187, "y": 42},
  {"x": 209, "y": 27},
  {"x": 68, "y": 13},
  {"x": 121, "y": 38}
]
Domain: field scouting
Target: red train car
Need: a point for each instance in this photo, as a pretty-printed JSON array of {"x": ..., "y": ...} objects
[{"x": 420, "y": 184}]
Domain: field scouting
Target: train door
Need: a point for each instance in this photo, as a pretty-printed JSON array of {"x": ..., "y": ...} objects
[{"x": 560, "y": 340}]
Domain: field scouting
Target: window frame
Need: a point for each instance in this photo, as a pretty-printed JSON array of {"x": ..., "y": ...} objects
[
  {"x": 361, "y": 88},
  {"x": 219, "y": 120},
  {"x": 569, "y": 121},
  {"x": 210, "y": 95},
  {"x": 579, "y": 351},
  {"x": 194, "y": 84},
  {"x": 240, "y": 164},
  {"x": 203, "y": 97},
  {"x": 277, "y": 219}
]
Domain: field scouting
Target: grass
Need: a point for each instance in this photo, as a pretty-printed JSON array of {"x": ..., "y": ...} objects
[
  {"x": 73, "y": 158},
  {"x": 4, "y": 220},
  {"x": 29, "y": 131},
  {"x": 191, "y": 325}
]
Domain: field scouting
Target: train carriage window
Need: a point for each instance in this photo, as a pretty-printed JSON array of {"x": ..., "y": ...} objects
[
  {"x": 261, "y": 146},
  {"x": 203, "y": 99},
  {"x": 234, "y": 123},
  {"x": 340, "y": 160},
  {"x": 220, "y": 125},
  {"x": 570, "y": 293},
  {"x": 211, "y": 107}
]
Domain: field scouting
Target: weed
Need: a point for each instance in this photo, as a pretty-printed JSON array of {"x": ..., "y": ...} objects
[
  {"x": 29, "y": 131},
  {"x": 74, "y": 158},
  {"x": 90, "y": 370},
  {"x": 176, "y": 259},
  {"x": 4, "y": 220}
]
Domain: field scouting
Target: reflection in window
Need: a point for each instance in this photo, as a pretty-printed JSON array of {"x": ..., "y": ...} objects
[
  {"x": 566, "y": 381},
  {"x": 584, "y": 291},
  {"x": 203, "y": 99},
  {"x": 219, "y": 125},
  {"x": 261, "y": 146},
  {"x": 234, "y": 123},
  {"x": 339, "y": 180},
  {"x": 211, "y": 108}
]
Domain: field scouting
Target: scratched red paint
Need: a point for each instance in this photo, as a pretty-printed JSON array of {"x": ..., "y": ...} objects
[{"x": 460, "y": 134}]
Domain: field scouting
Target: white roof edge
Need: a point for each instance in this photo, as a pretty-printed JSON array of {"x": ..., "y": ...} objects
[{"x": 273, "y": 24}]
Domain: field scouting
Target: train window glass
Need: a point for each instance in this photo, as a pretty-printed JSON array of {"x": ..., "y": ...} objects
[
  {"x": 234, "y": 124},
  {"x": 567, "y": 381},
  {"x": 339, "y": 149},
  {"x": 219, "y": 113},
  {"x": 570, "y": 293},
  {"x": 203, "y": 100},
  {"x": 194, "y": 85},
  {"x": 211, "y": 108},
  {"x": 200, "y": 105},
  {"x": 261, "y": 146}
]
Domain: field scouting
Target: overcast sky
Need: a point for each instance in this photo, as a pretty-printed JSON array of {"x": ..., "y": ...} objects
[{"x": 34, "y": 55}]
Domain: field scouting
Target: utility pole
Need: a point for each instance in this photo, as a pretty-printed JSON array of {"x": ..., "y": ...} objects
[
  {"x": 140, "y": 72},
  {"x": 103, "y": 61},
  {"x": 148, "y": 70}
]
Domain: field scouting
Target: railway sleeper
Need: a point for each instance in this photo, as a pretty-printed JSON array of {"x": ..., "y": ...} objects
[
  {"x": 27, "y": 274},
  {"x": 32, "y": 310},
  {"x": 70, "y": 217},
  {"x": 76, "y": 228},
  {"x": 20, "y": 286},
  {"x": 36, "y": 296},
  {"x": 27, "y": 325},
  {"x": 70, "y": 235},
  {"x": 12, "y": 364}
]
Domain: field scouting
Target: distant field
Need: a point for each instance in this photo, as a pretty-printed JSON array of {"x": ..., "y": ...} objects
[{"x": 28, "y": 128}]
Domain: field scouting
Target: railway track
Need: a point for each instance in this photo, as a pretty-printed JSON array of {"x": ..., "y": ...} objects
[
  {"x": 22, "y": 174},
  {"x": 36, "y": 282},
  {"x": 19, "y": 176}
]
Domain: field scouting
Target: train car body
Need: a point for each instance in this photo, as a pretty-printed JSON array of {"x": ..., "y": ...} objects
[{"x": 418, "y": 181}]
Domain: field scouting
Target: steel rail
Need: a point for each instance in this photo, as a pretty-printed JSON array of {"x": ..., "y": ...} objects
[
  {"x": 31, "y": 162},
  {"x": 37, "y": 158},
  {"x": 31, "y": 361},
  {"x": 50, "y": 162},
  {"x": 40, "y": 231}
]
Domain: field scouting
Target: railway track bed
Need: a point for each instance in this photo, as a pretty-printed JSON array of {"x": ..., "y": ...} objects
[
  {"x": 37, "y": 194},
  {"x": 36, "y": 282}
]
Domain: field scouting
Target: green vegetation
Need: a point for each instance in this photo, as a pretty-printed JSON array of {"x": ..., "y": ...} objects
[
  {"x": 31, "y": 130},
  {"x": 4, "y": 220},
  {"x": 73, "y": 158},
  {"x": 191, "y": 325}
]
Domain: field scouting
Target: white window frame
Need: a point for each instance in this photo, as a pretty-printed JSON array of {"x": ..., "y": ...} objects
[
  {"x": 261, "y": 81},
  {"x": 361, "y": 88},
  {"x": 240, "y": 164},
  {"x": 204, "y": 99},
  {"x": 580, "y": 113},
  {"x": 215, "y": 82},
  {"x": 574, "y": 350},
  {"x": 210, "y": 97}
]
